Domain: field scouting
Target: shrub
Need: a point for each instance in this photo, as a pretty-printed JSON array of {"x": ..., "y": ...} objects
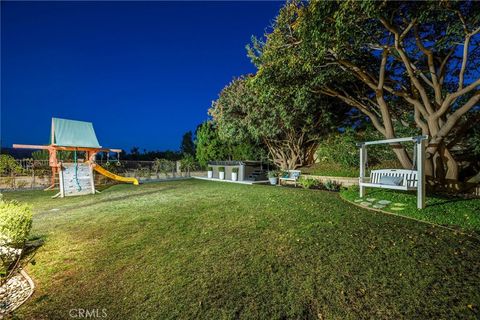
[
  {"x": 308, "y": 183},
  {"x": 341, "y": 148},
  {"x": 8, "y": 165},
  {"x": 221, "y": 169},
  {"x": 235, "y": 170},
  {"x": 332, "y": 185},
  {"x": 15, "y": 226},
  {"x": 164, "y": 166},
  {"x": 210, "y": 169},
  {"x": 114, "y": 167},
  {"x": 187, "y": 164}
]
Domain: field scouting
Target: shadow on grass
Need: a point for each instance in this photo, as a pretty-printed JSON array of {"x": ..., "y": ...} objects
[{"x": 105, "y": 200}]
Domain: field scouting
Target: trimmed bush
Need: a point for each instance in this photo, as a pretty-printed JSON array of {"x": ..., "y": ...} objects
[
  {"x": 332, "y": 185},
  {"x": 15, "y": 226}
]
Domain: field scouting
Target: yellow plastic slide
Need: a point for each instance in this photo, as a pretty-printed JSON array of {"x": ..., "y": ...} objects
[{"x": 113, "y": 176}]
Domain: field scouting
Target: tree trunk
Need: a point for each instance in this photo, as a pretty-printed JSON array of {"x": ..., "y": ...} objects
[
  {"x": 403, "y": 157},
  {"x": 289, "y": 155}
]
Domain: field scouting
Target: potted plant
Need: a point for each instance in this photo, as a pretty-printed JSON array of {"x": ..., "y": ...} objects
[
  {"x": 234, "y": 174},
  {"x": 221, "y": 173},
  {"x": 210, "y": 172},
  {"x": 273, "y": 177}
]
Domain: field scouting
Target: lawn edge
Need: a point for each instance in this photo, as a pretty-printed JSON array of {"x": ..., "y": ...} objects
[{"x": 458, "y": 231}]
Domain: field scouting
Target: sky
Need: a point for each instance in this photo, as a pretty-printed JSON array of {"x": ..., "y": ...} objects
[{"x": 143, "y": 72}]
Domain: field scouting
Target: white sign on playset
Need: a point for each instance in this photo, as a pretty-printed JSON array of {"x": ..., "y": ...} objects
[{"x": 76, "y": 179}]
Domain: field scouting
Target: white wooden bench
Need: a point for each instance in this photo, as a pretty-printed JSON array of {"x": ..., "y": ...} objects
[
  {"x": 409, "y": 179},
  {"x": 293, "y": 176}
]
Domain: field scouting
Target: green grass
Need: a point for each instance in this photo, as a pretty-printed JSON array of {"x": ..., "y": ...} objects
[
  {"x": 207, "y": 250},
  {"x": 447, "y": 211}
]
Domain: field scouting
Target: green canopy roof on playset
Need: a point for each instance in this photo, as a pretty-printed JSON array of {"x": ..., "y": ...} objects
[{"x": 73, "y": 133}]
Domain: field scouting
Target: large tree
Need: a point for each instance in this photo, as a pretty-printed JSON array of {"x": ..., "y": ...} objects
[
  {"x": 210, "y": 146},
  {"x": 286, "y": 117},
  {"x": 400, "y": 63},
  {"x": 187, "y": 146}
]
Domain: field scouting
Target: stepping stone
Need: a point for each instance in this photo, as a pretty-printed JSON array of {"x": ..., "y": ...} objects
[
  {"x": 371, "y": 199},
  {"x": 366, "y": 204},
  {"x": 54, "y": 209},
  {"x": 399, "y": 204},
  {"x": 397, "y": 208},
  {"x": 358, "y": 200},
  {"x": 378, "y": 206},
  {"x": 384, "y": 202}
]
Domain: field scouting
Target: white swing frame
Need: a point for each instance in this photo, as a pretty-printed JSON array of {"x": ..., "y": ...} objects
[{"x": 413, "y": 179}]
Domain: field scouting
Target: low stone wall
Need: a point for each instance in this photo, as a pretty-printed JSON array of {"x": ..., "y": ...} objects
[{"x": 344, "y": 181}]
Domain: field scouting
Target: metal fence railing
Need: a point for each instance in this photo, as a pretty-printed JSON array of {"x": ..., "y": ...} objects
[{"x": 36, "y": 174}]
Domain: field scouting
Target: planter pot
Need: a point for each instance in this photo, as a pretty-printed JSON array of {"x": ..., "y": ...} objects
[
  {"x": 210, "y": 174},
  {"x": 234, "y": 176},
  {"x": 221, "y": 175},
  {"x": 273, "y": 181}
]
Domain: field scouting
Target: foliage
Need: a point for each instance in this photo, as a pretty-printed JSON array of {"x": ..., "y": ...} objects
[
  {"x": 234, "y": 170},
  {"x": 332, "y": 185},
  {"x": 188, "y": 163},
  {"x": 61, "y": 155},
  {"x": 402, "y": 64},
  {"x": 40, "y": 155},
  {"x": 15, "y": 222},
  {"x": 273, "y": 174},
  {"x": 288, "y": 118},
  {"x": 136, "y": 155},
  {"x": 187, "y": 146},
  {"x": 15, "y": 226},
  {"x": 221, "y": 169},
  {"x": 210, "y": 168},
  {"x": 210, "y": 146},
  {"x": 8, "y": 165},
  {"x": 164, "y": 166},
  {"x": 308, "y": 183},
  {"x": 114, "y": 167},
  {"x": 327, "y": 168},
  {"x": 341, "y": 148}
]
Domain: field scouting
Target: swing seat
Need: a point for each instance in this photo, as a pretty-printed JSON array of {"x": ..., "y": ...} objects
[{"x": 405, "y": 179}]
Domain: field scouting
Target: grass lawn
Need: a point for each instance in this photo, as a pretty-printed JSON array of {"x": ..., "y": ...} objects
[
  {"x": 451, "y": 212},
  {"x": 199, "y": 249}
]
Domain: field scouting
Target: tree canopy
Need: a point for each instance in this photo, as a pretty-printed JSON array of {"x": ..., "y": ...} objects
[
  {"x": 404, "y": 65},
  {"x": 187, "y": 146},
  {"x": 289, "y": 118}
]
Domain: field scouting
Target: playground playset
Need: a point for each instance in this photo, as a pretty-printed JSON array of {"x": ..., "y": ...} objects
[{"x": 75, "y": 178}]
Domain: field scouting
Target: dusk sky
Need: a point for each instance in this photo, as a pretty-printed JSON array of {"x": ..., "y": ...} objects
[{"x": 143, "y": 72}]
